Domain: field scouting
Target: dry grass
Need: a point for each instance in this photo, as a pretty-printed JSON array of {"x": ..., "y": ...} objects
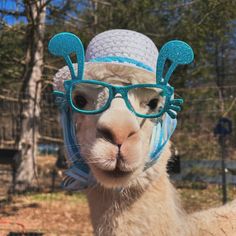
[
  {"x": 51, "y": 214},
  {"x": 65, "y": 214}
]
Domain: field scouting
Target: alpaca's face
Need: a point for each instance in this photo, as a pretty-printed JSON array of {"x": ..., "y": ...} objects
[{"x": 115, "y": 143}]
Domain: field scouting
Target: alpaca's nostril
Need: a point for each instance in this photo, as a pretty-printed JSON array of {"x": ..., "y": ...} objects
[
  {"x": 105, "y": 133},
  {"x": 131, "y": 133}
]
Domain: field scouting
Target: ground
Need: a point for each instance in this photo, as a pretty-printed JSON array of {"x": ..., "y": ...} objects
[
  {"x": 65, "y": 214},
  {"x": 51, "y": 214}
]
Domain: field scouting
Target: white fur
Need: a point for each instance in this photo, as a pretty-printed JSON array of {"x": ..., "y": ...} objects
[{"x": 141, "y": 202}]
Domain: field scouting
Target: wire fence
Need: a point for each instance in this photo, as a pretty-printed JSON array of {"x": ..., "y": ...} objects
[
  {"x": 48, "y": 147},
  {"x": 49, "y": 128},
  {"x": 200, "y": 113}
]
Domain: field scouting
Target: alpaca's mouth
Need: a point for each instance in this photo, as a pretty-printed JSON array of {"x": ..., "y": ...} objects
[
  {"x": 112, "y": 178},
  {"x": 117, "y": 173}
]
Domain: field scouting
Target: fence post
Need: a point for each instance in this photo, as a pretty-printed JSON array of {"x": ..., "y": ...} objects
[
  {"x": 223, "y": 169},
  {"x": 223, "y": 128}
]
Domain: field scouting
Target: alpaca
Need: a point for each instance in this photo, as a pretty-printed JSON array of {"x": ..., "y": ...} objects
[
  {"x": 148, "y": 203},
  {"x": 127, "y": 198}
]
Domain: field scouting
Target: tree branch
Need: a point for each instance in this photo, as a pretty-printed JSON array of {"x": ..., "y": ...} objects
[
  {"x": 12, "y": 13},
  {"x": 50, "y": 67},
  {"x": 230, "y": 107},
  {"x": 45, "y": 4}
]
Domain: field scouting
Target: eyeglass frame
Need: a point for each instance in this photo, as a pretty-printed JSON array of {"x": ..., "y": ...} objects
[{"x": 170, "y": 104}]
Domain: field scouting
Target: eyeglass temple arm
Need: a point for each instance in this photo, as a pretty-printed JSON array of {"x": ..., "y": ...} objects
[
  {"x": 178, "y": 52},
  {"x": 64, "y": 44}
]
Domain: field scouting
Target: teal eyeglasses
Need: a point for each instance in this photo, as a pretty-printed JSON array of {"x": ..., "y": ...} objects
[{"x": 92, "y": 97}]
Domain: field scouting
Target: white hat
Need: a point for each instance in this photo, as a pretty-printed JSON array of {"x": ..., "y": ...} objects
[{"x": 123, "y": 46}]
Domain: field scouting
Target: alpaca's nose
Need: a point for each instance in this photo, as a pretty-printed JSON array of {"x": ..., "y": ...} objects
[{"x": 117, "y": 126}]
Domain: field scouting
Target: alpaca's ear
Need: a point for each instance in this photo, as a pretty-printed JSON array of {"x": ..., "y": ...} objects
[
  {"x": 63, "y": 45},
  {"x": 178, "y": 52}
]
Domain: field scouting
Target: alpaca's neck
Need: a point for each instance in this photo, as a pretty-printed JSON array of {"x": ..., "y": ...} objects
[{"x": 153, "y": 210}]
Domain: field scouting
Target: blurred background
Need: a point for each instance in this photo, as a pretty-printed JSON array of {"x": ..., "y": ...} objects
[{"x": 32, "y": 161}]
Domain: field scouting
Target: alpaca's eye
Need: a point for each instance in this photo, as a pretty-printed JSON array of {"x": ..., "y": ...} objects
[
  {"x": 79, "y": 101},
  {"x": 153, "y": 103}
]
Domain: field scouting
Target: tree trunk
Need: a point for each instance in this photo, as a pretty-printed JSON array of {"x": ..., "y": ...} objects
[{"x": 31, "y": 90}]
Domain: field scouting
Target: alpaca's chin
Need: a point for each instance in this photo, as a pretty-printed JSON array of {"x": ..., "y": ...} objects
[{"x": 115, "y": 178}]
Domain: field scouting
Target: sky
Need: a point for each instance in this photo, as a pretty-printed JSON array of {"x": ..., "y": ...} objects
[
  {"x": 11, "y": 5},
  {"x": 16, "y": 5}
]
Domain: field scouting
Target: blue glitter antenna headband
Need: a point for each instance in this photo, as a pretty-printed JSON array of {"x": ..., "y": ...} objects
[{"x": 64, "y": 44}]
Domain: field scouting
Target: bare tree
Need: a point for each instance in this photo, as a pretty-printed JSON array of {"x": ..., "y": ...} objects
[{"x": 31, "y": 90}]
